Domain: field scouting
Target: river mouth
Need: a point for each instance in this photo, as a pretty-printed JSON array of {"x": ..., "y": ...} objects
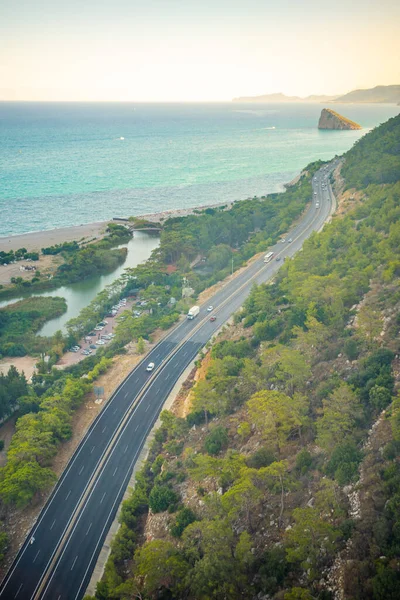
[{"x": 80, "y": 294}]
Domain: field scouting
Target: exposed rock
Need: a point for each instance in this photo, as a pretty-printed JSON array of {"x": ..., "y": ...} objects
[{"x": 330, "y": 119}]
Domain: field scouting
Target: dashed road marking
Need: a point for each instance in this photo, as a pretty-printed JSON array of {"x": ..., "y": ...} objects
[
  {"x": 102, "y": 498},
  {"x": 52, "y": 525},
  {"x": 89, "y": 528},
  {"x": 67, "y": 496},
  {"x": 73, "y": 564},
  {"x": 116, "y": 469},
  {"x": 18, "y": 591},
  {"x": 82, "y": 467},
  {"x": 37, "y": 554}
]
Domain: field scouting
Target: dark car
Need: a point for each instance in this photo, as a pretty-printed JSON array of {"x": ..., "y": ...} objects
[
  {"x": 278, "y": 258},
  {"x": 93, "y": 347},
  {"x": 213, "y": 319},
  {"x": 91, "y": 334}
]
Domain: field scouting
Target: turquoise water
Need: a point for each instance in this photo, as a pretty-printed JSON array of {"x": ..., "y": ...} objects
[{"x": 70, "y": 163}]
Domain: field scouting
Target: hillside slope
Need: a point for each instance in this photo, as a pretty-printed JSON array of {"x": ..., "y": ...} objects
[
  {"x": 378, "y": 94},
  {"x": 254, "y": 493}
]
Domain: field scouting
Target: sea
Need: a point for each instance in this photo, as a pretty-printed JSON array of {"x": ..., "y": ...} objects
[{"x": 65, "y": 164}]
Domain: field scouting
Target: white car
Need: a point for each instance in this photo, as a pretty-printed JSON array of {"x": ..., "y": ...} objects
[
  {"x": 150, "y": 367},
  {"x": 100, "y": 342},
  {"x": 210, "y": 308}
]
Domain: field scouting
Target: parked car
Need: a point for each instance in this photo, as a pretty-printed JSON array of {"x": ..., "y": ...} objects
[
  {"x": 150, "y": 367},
  {"x": 100, "y": 342},
  {"x": 93, "y": 347},
  {"x": 91, "y": 334}
]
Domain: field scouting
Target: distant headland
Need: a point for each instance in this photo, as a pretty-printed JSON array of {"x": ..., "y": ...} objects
[
  {"x": 381, "y": 94},
  {"x": 283, "y": 98}
]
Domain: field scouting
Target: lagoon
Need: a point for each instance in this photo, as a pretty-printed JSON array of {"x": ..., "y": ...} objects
[{"x": 80, "y": 294}]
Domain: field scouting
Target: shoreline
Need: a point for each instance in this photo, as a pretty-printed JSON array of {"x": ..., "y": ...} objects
[{"x": 36, "y": 240}]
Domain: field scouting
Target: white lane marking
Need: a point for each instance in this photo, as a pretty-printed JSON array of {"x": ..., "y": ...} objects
[
  {"x": 137, "y": 427},
  {"x": 18, "y": 591},
  {"x": 102, "y": 498},
  {"x": 158, "y": 391},
  {"x": 125, "y": 450},
  {"x": 73, "y": 564},
  {"x": 137, "y": 380},
  {"x": 115, "y": 410},
  {"x": 104, "y": 429},
  {"x": 52, "y": 525},
  {"x": 92, "y": 449},
  {"x": 115, "y": 471},
  {"x": 147, "y": 407},
  {"x": 184, "y": 354},
  {"x": 59, "y": 597},
  {"x": 89, "y": 528},
  {"x": 127, "y": 394},
  {"x": 36, "y": 555},
  {"x": 80, "y": 472},
  {"x": 168, "y": 376},
  {"x": 67, "y": 496}
]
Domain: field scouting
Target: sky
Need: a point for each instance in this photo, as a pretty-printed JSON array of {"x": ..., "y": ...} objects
[{"x": 194, "y": 50}]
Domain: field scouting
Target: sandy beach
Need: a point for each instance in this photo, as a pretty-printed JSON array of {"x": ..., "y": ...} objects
[{"x": 41, "y": 239}]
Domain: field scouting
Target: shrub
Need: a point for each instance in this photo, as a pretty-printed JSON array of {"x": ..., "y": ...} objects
[
  {"x": 344, "y": 462},
  {"x": 216, "y": 440},
  {"x": 303, "y": 461},
  {"x": 183, "y": 518},
  {"x": 351, "y": 349},
  {"x": 261, "y": 458},
  {"x": 161, "y": 497}
]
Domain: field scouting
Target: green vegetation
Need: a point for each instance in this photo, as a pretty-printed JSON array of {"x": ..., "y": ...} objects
[
  {"x": 80, "y": 262},
  {"x": 19, "y": 323},
  {"x": 12, "y": 387},
  {"x": 21, "y": 254},
  {"x": 281, "y": 418},
  {"x": 59, "y": 248}
]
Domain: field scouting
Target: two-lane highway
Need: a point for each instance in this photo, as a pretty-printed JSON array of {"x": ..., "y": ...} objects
[{"x": 59, "y": 555}]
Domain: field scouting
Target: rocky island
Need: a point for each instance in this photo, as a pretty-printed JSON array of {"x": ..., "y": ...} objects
[{"x": 330, "y": 119}]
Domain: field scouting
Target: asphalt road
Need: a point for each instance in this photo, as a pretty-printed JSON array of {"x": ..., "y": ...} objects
[{"x": 59, "y": 555}]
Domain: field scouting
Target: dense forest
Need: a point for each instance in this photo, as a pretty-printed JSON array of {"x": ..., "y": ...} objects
[{"x": 283, "y": 478}]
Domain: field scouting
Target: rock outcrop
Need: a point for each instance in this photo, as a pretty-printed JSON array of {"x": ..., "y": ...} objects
[{"x": 330, "y": 119}]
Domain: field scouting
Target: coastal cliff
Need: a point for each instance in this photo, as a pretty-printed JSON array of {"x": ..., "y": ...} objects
[{"x": 330, "y": 119}]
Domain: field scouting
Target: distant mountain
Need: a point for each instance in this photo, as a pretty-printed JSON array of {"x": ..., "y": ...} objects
[
  {"x": 378, "y": 94},
  {"x": 283, "y": 98}
]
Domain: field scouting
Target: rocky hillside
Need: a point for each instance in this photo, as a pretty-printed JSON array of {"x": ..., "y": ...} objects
[{"x": 330, "y": 119}]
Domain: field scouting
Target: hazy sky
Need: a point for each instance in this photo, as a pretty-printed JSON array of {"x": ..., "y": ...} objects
[{"x": 194, "y": 49}]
